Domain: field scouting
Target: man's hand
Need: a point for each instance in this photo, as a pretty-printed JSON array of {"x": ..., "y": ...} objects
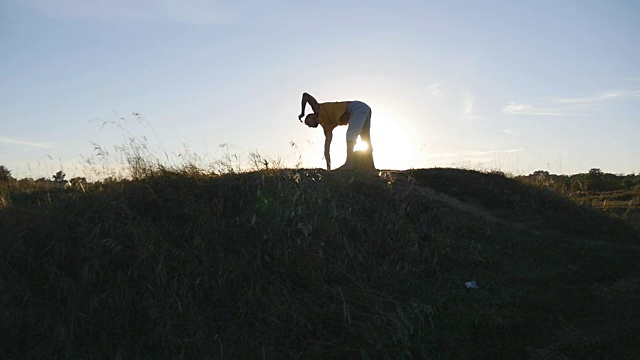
[{"x": 306, "y": 98}]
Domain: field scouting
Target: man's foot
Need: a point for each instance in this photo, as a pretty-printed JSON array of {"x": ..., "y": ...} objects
[
  {"x": 369, "y": 163},
  {"x": 349, "y": 165}
]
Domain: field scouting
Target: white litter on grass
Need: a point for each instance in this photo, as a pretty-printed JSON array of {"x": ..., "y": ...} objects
[{"x": 471, "y": 285}]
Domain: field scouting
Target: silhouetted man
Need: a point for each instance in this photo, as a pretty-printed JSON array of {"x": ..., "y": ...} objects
[{"x": 356, "y": 114}]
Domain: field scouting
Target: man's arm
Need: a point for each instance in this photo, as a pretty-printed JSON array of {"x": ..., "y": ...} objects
[
  {"x": 307, "y": 98},
  {"x": 328, "y": 136}
]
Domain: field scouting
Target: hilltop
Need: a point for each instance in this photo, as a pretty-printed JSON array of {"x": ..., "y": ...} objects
[{"x": 282, "y": 264}]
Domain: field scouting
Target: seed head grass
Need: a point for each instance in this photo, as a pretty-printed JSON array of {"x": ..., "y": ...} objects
[{"x": 182, "y": 263}]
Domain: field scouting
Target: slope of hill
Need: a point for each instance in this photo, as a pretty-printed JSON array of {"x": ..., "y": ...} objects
[{"x": 309, "y": 264}]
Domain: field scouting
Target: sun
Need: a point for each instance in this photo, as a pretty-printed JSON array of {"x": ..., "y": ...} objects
[
  {"x": 394, "y": 144},
  {"x": 360, "y": 145}
]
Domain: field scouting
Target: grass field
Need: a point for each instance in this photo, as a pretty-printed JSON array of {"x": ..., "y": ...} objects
[
  {"x": 309, "y": 264},
  {"x": 622, "y": 204}
]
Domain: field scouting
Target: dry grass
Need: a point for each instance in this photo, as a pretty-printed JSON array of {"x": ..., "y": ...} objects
[{"x": 280, "y": 263}]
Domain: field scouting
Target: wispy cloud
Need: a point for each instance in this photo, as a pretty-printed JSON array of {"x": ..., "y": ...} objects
[
  {"x": 93, "y": 8},
  {"x": 25, "y": 143},
  {"x": 491, "y": 152},
  {"x": 522, "y": 109},
  {"x": 598, "y": 98},
  {"x": 564, "y": 106},
  {"x": 207, "y": 11},
  {"x": 434, "y": 89},
  {"x": 469, "y": 108},
  {"x": 194, "y": 11},
  {"x": 471, "y": 153},
  {"x": 472, "y": 157},
  {"x": 510, "y": 132}
]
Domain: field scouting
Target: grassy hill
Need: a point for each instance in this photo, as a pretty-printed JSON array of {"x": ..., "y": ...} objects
[{"x": 283, "y": 264}]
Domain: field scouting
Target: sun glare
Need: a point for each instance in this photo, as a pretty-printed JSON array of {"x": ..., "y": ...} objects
[
  {"x": 360, "y": 145},
  {"x": 393, "y": 144}
]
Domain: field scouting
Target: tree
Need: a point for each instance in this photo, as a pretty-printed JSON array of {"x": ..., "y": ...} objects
[
  {"x": 5, "y": 174},
  {"x": 59, "y": 176},
  {"x": 78, "y": 180},
  {"x": 595, "y": 181},
  {"x": 628, "y": 183},
  {"x": 596, "y": 172},
  {"x": 540, "y": 173}
]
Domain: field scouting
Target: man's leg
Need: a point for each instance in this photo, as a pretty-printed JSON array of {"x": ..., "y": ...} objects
[
  {"x": 359, "y": 112},
  {"x": 350, "y": 146},
  {"x": 365, "y": 135},
  {"x": 349, "y": 163}
]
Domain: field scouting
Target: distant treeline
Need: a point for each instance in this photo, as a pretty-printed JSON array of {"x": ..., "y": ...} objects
[
  {"x": 57, "y": 178},
  {"x": 595, "y": 180}
]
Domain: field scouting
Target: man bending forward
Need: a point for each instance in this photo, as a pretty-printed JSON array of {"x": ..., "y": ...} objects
[{"x": 356, "y": 114}]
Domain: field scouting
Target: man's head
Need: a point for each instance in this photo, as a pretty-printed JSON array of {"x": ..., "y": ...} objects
[{"x": 311, "y": 120}]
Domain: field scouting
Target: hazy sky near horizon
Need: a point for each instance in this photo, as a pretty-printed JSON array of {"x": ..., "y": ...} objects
[{"x": 512, "y": 85}]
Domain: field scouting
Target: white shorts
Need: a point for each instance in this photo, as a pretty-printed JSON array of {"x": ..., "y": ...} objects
[{"x": 359, "y": 120}]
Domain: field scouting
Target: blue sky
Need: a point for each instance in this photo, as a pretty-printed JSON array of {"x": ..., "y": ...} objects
[{"x": 512, "y": 85}]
